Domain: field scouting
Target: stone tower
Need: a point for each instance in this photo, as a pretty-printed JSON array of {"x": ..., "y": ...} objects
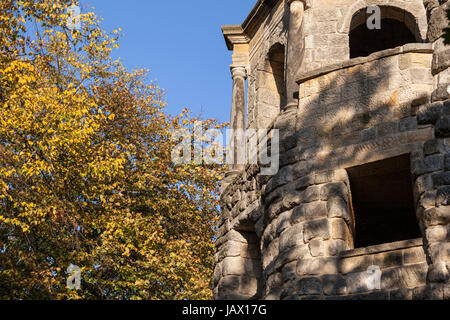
[{"x": 359, "y": 208}]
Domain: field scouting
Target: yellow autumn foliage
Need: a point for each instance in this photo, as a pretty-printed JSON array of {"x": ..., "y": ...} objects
[{"x": 85, "y": 171}]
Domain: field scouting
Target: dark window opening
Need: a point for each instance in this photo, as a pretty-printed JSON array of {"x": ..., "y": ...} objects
[
  {"x": 276, "y": 60},
  {"x": 383, "y": 202},
  {"x": 398, "y": 27},
  {"x": 364, "y": 42}
]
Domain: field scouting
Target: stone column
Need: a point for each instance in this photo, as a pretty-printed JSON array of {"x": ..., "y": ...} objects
[
  {"x": 295, "y": 49},
  {"x": 237, "y": 120}
]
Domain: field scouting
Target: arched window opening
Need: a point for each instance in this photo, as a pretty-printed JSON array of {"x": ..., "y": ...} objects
[
  {"x": 276, "y": 61},
  {"x": 398, "y": 28},
  {"x": 271, "y": 86}
]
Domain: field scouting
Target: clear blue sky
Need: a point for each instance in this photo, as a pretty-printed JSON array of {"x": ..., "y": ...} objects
[{"x": 182, "y": 44}]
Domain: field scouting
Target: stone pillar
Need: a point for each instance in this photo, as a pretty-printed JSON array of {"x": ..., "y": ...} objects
[
  {"x": 295, "y": 49},
  {"x": 237, "y": 120}
]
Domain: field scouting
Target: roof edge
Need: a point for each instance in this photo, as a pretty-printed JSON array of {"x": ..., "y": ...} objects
[{"x": 242, "y": 33}]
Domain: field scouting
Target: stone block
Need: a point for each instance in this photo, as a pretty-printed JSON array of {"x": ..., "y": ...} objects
[
  {"x": 360, "y": 282},
  {"x": 408, "y": 124},
  {"x": 388, "y": 259},
  {"x": 305, "y": 182},
  {"x": 291, "y": 199},
  {"x": 309, "y": 267},
  {"x": 441, "y": 179},
  {"x": 228, "y": 285},
  {"x": 291, "y": 237},
  {"x": 436, "y": 216},
  {"x": 404, "y": 277},
  {"x": 289, "y": 272},
  {"x": 443, "y": 196},
  {"x": 309, "y": 211},
  {"x": 421, "y": 293},
  {"x": 240, "y": 266},
  {"x": 429, "y": 114},
  {"x": 248, "y": 286},
  {"x": 230, "y": 249},
  {"x": 401, "y": 294},
  {"x": 292, "y": 254},
  {"x": 319, "y": 229},
  {"x": 428, "y": 165},
  {"x": 334, "y": 247},
  {"x": 439, "y": 251},
  {"x": 301, "y": 169},
  {"x": 316, "y": 247},
  {"x": 423, "y": 184},
  {"x": 283, "y": 177},
  {"x": 274, "y": 281},
  {"x": 270, "y": 254},
  {"x": 369, "y": 134},
  {"x": 217, "y": 275},
  {"x": 234, "y": 235},
  {"x": 275, "y": 209},
  {"x": 431, "y": 147},
  {"x": 274, "y": 196},
  {"x": 284, "y": 221},
  {"x": 414, "y": 256},
  {"x": 438, "y": 272},
  {"x": 387, "y": 128},
  {"x": 437, "y": 234},
  {"x": 338, "y": 208},
  {"x": 324, "y": 177},
  {"x": 311, "y": 194},
  {"x": 355, "y": 264},
  {"x": 334, "y": 285},
  {"x": 443, "y": 127},
  {"x": 334, "y": 190},
  {"x": 340, "y": 230},
  {"x": 309, "y": 286}
]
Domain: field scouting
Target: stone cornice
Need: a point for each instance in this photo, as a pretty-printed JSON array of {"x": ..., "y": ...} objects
[
  {"x": 242, "y": 33},
  {"x": 237, "y": 34},
  {"x": 234, "y": 34}
]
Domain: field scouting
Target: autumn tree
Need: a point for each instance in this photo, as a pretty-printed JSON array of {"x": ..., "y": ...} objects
[{"x": 86, "y": 176}]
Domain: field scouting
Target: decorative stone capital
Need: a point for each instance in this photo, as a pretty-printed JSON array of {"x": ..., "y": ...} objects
[
  {"x": 238, "y": 72},
  {"x": 307, "y": 3}
]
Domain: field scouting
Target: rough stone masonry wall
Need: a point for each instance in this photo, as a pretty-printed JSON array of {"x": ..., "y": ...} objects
[
  {"x": 432, "y": 166},
  {"x": 327, "y": 27},
  {"x": 328, "y": 24},
  {"x": 237, "y": 273},
  {"x": 302, "y": 217},
  {"x": 263, "y": 101}
]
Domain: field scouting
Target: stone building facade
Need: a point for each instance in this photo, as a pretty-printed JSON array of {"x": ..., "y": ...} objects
[{"x": 359, "y": 208}]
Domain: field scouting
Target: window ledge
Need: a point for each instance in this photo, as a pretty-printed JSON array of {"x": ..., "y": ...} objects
[
  {"x": 410, "y": 47},
  {"x": 382, "y": 248}
]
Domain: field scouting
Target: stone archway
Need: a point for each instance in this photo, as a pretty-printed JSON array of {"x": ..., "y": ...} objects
[
  {"x": 413, "y": 8},
  {"x": 271, "y": 88}
]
